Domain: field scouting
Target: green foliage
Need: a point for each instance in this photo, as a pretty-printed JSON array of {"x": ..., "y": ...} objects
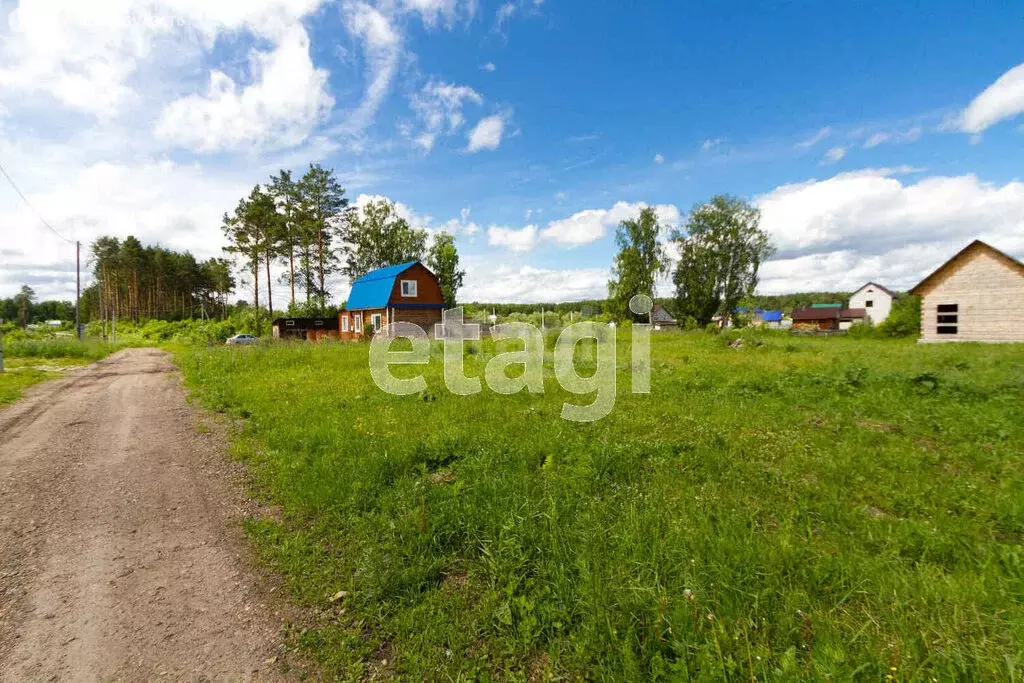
[
  {"x": 321, "y": 205},
  {"x": 443, "y": 260},
  {"x": 641, "y": 257},
  {"x": 720, "y": 251},
  {"x": 904, "y": 319},
  {"x": 785, "y": 508},
  {"x": 375, "y": 236},
  {"x": 136, "y": 281}
]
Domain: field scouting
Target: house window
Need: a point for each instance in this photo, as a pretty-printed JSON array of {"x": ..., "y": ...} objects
[
  {"x": 344, "y": 323},
  {"x": 375, "y": 321},
  {"x": 409, "y": 288},
  {"x": 289, "y": 323},
  {"x": 869, "y": 303},
  {"x": 318, "y": 323},
  {"x": 947, "y": 318},
  {"x": 357, "y": 321}
]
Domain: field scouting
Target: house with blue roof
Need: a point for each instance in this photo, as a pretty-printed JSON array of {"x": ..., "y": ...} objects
[{"x": 405, "y": 292}]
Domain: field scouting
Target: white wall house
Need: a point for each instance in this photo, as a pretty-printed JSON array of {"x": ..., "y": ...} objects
[{"x": 876, "y": 301}]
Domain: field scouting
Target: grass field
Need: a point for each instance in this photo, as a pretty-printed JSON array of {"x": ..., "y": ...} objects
[
  {"x": 29, "y": 362},
  {"x": 794, "y": 509}
]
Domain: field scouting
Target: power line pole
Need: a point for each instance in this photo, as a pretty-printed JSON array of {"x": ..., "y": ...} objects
[{"x": 78, "y": 289}]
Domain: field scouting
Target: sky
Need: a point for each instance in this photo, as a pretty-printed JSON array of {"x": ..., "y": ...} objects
[{"x": 877, "y": 137}]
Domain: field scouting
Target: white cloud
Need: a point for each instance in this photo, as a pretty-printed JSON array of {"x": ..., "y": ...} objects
[
  {"x": 86, "y": 54},
  {"x": 489, "y": 67},
  {"x": 414, "y": 219},
  {"x": 912, "y": 134},
  {"x": 433, "y": 10},
  {"x": 486, "y": 134},
  {"x": 382, "y": 48},
  {"x": 833, "y": 155},
  {"x": 462, "y": 225},
  {"x": 142, "y": 199},
  {"x": 1002, "y": 100},
  {"x": 711, "y": 144},
  {"x": 287, "y": 99},
  {"x": 487, "y": 282},
  {"x": 815, "y": 139},
  {"x": 837, "y": 233},
  {"x": 583, "y": 227},
  {"x": 591, "y": 225},
  {"x": 505, "y": 12},
  {"x": 515, "y": 240},
  {"x": 439, "y": 107},
  {"x": 659, "y": 159}
]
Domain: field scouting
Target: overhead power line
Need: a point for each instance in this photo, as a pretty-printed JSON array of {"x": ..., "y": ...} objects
[{"x": 29, "y": 205}]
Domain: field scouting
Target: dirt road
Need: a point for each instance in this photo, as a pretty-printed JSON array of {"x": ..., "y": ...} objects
[{"x": 121, "y": 554}]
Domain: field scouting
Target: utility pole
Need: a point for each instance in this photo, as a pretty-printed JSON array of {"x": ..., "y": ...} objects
[{"x": 78, "y": 289}]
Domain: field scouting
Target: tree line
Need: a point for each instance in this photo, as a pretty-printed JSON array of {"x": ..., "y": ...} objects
[
  {"x": 308, "y": 226},
  {"x": 133, "y": 281},
  {"x": 23, "y": 309}
]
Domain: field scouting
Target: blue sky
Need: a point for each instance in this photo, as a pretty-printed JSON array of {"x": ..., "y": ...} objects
[{"x": 877, "y": 137}]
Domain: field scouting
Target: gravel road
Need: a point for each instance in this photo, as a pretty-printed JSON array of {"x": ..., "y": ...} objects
[{"x": 121, "y": 550}]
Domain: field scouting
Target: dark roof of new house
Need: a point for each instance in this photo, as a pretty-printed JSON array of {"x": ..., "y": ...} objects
[
  {"x": 373, "y": 290},
  {"x": 660, "y": 316},
  {"x": 852, "y": 313},
  {"x": 875, "y": 284},
  {"x": 815, "y": 314},
  {"x": 307, "y": 323}
]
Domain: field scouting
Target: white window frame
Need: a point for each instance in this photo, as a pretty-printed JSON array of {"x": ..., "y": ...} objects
[
  {"x": 412, "y": 292},
  {"x": 344, "y": 323},
  {"x": 357, "y": 322},
  {"x": 376, "y": 320}
]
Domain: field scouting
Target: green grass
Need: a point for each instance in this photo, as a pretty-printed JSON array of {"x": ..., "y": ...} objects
[
  {"x": 794, "y": 509},
  {"x": 29, "y": 362}
]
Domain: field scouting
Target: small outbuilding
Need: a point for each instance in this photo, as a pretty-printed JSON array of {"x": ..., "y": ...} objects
[
  {"x": 662, "y": 318},
  {"x": 406, "y": 292},
  {"x": 310, "y": 329},
  {"x": 823, "y": 318},
  {"x": 978, "y": 295}
]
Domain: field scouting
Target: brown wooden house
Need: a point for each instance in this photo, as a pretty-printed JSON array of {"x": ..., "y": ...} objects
[
  {"x": 825, "y": 319},
  {"x": 978, "y": 295},
  {"x": 407, "y": 292}
]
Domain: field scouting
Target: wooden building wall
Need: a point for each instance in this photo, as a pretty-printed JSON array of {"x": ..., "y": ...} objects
[
  {"x": 989, "y": 294},
  {"x": 427, "y": 289}
]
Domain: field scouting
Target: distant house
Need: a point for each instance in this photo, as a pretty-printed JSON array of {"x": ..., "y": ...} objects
[
  {"x": 661, "y": 318},
  {"x": 772, "y": 319},
  {"x": 407, "y": 292},
  {"x": 876, "y": 301},
  {"x": 310, "y": 329},
  {"x": 978, "y": 295},
  {"x": 825, "y": 318}
]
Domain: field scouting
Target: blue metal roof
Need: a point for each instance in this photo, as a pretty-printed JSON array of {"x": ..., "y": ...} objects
[
  {"x": 772, "y": 316},
  {"x": 373, "y": 290}
]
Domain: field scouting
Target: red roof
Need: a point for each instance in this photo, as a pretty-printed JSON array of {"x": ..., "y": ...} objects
[
  {"x": 815, "y": 314},
  {"x": 853, "y": 313}
]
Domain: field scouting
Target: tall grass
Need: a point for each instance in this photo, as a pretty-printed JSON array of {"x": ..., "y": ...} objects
[
  {"x": 57, "y": 348},
  {"x": 794, "y": 508}
]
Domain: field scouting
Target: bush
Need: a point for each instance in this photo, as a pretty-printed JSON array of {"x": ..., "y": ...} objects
[{"x": 905, "y": 318}]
